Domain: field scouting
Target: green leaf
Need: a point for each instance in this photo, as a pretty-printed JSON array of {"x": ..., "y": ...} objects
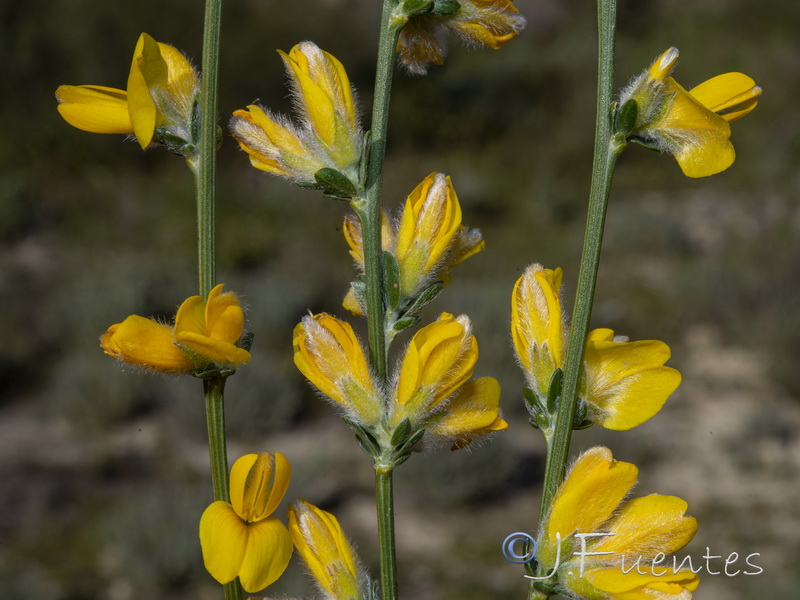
[
  {"x": 405, "y": 323},
  {"x": 554, "y": 391},
  {"x": 427, "y": 296},
  {"x": 391, "y": 277},
  {"x": 445, "y": 8},
  {"x": 625, "y": 117},
  {"x": 335, "y": 184},
  {"x": 400, "y": 434}
]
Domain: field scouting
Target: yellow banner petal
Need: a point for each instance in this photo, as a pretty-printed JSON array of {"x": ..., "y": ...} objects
[{"x": 269, "y": 548}]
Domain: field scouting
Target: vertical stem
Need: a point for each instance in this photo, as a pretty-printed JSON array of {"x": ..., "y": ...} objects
[
  {"x": 373, "y": 273},
  {"x": 371, "y": 224},
  {"x": 214, "y": 390},
  {"x": 606, "y": 151},
  {"x": 207, "y": 148},
  {"x": 385, "y": 499},
  {"x": 205, "y": 177}
]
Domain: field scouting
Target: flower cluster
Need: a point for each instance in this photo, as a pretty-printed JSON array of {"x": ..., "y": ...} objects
[
  {"x": 428, "y": 241},
  {"x": 489, "y": 23},
  {"x": 328, "y": 136},
  {"x": 160, "y": 104},
  {"x": 591, "y": 542},
  {"x": 693, "y": 125},
  {"x": 205, "y": 333},
  {"x": 432, "y": 390},
  {"x": 623, "y": 384}
]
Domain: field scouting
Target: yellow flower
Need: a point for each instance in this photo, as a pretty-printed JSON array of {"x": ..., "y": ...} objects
[
  {"x": 473, "y": 411},
  {"x": 590, "y": 536},
  {"x": 209, "y": 330},
  {"x": 322, "y": 545},
  {"x": 626, "y": 383},
  {"x": 328, "y": 136},
  {"x": 428, "y": 242},
  {"x": 691, "y": 125},
  {"x": 429, "y": 228},
  {"x": 438, "y": 361},
  {"x": 538, "y": 326},
  {"x": 622, "y": 383},
  {"x": 328, "y": 353},
  {"x": 489, "y": 23},
  {"x": 162, "y": 93},
  {"x": 145, "y": 343},
  {"x": 205, "y": 332},
  {"x": 240, "y": 538}
]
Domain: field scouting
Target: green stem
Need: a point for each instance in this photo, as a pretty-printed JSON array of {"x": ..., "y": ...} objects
[
  {"x": 606, "y": 151},
  {"x": 371, "y": 222},
  {"x": 385, "y": 500},
  {"x": 214, "y": 390},
  {"x": 207, "y": 148},
  {"x": 205, "y": 178}
]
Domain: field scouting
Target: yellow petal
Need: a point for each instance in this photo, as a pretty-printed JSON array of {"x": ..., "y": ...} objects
[
  {"x": 144, "y": 342},
  {"x": 224, "y": 318},
  {"x": 269, "y": 548},
  {"x": 700, "y": 135},
  {"x": 94, "y": 108},
  {"x": 321, "y": 543},
  {"x": 649, "y": 525},
  {"x": 191, "y": 317},
  {"x": 280, "y": 483},
  {"x": 224, "y": 541},
  {"x": 626, "y": 382},
  {"x": 664, "y": 64},
  {"x": 182, "y": 80},
  {"x": 212, "y": 349},
  {"x": 239, "y": 472},
  {"x": 472, "y": 412},
  {"x": 635, "y": 586},
  {"x": 318, "y": 105},
  {"x": 594, "y": 487},
  {"x": 148, "y": 69},
  {"x": 729, "y": 91}
]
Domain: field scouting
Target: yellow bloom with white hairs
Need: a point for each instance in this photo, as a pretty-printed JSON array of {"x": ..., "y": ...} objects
[
  {"x": 472, "y": 412},
  {"x": 205, "y": 333},
  {"x": 433, "y": 388},
  {"x": 623, "y": 383},
  {"x": 691, "y": 125},
  {"x": 240, "y": 538},
  {"x": 328, "y": 353},
  {"x": 322, "y": 545},
  {"x": 428, "y": 241},
  {"x": 489, "y": 23},
  {"x": 159, "y": 104},
  {"x": 538, "y": 327},
  {"x": 328, "y": 135},
  {"x": 595, "y": 546},
  {"x": 439, "y": 360}
]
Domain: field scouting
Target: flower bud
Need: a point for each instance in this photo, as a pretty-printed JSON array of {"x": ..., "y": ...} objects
[
  {"x": 322, "y": 545},
  {"x": 328, "y": 136},
  {"x": 328, "y": 353}
]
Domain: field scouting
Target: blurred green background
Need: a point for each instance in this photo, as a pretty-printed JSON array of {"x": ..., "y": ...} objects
[{"x": 104, "y": 469}]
